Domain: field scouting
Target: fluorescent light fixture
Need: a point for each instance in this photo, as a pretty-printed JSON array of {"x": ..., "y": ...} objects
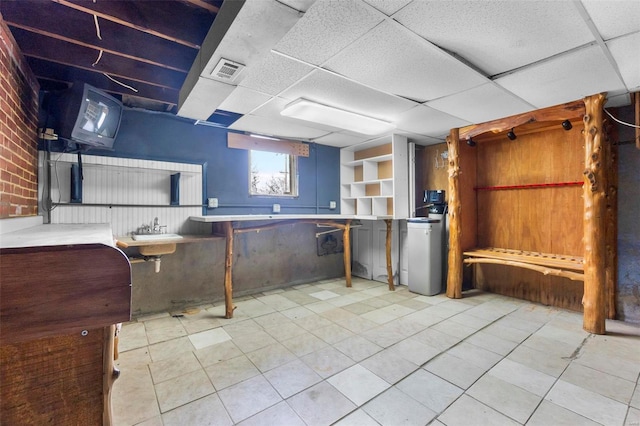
[
  {"x": 303, "y": 109},
  {"x": 253, "y": 135}
]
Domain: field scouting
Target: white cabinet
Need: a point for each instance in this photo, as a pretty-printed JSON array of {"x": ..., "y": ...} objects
[
  {"x": 374, "y": 178},
  {"x": 369, "y": 250},
  {"x": 404, "y": 252}
]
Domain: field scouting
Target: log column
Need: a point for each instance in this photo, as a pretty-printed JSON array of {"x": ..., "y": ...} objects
[
  {"x": 454, "y": 276},
  {"x": 347, "y": 251},
  {"x": 611, "y": 234},
  {"x": 388, "y": 252},
  {"x": 595, "y": 202},
  {"x": 228, "y": 266}
]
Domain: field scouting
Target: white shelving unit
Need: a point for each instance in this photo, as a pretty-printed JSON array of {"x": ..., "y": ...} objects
[{"x": 374, "y": 178}]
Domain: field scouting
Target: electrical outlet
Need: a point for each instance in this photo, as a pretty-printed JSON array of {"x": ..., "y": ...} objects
[
  {"x": 276, "y": 208},
  {"x": 212, "y": 203},
  {"x": 332, "y": 205}
]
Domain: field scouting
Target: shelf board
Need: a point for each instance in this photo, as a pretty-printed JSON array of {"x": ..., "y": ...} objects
[
  {"x": 128, "y": 169},
  {"x": 377, "y": 159},
  {"x": 368, "y": 182}
]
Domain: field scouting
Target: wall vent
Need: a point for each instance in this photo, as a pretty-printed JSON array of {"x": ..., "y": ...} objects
[{"x": 227, "y": 70}]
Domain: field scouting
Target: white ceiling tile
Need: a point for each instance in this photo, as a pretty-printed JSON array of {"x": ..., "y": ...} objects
[
  {"x": 243, "y": 100},
  {"x": 563, "y": 78},
  {"x": 340, "y": 140},
  {"x": 330, "y": 89},
  {"x": 388, "y": 7},
  {"x": 273, "y": 126},
  {"x": 485, "y": 103},
  {"x": 204, "y": 99},
  {"x": 428, "y": 121},
  {"x": 625, "y": 51},
  {"x": 614, "y": 18},
  {"x": 394, "y": 60},
  {"x": 421, "y": 139},
  {"x": 327, "y": 28},
  {"x": 301, "y": 5},
  {"x": 497, "y": 36},
  {"x": 274, "y": 74}
]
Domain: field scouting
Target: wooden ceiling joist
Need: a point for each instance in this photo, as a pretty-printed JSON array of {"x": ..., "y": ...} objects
[
  {"x": 45, "y": 17},
  {"x": 183, "y": 25}
]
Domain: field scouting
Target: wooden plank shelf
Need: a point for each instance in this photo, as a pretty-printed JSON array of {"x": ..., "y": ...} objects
[
  {"x": 528, "y": 186},
  {"x": 545, "y": 263}
]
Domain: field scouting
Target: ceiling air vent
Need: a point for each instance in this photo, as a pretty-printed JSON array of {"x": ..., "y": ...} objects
[{"x": 227, "y": 70}]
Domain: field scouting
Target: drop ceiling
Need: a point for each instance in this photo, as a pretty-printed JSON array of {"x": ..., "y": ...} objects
[{"x": 424, "y": 65}]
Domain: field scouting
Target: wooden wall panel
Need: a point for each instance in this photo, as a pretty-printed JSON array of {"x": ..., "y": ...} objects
[
  {"x": 433, "y": 177},
  {"x": 375, "y": 151}
]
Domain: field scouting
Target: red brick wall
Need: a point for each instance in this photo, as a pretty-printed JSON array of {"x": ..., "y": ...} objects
[{"x": 18, "y": 131}]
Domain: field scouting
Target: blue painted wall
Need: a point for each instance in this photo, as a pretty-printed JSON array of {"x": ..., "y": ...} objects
[{"x": 164, "y": 137}]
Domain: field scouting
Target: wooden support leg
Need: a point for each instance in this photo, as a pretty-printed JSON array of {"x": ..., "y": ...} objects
[
  {"x": 347, "y": 252},
  {"x": 228, "y": 266},
  {"x": 594, "y": 191},
  {"x": 454, "y": 276},
  {"x": 388, "y": 250}
]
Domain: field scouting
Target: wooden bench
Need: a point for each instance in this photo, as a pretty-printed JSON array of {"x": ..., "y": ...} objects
[{"x": 567, "y": 266}]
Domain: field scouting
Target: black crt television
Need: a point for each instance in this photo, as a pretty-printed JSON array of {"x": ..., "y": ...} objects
[{"x": 89, "y": 117}]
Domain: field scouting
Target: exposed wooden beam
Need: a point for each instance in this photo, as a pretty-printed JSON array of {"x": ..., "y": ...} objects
[
  {"x": 562, "y": 112},
  {"x": 53, "y": 50},
  {"x": 46, "y": 17},
  {"x": 204, "y": 5},
  {"x": 166, "y": 19},
  {"x": 60, "y": 73}
]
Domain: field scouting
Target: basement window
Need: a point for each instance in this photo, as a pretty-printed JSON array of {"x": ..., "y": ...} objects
[{"x": 273, "y": 174}]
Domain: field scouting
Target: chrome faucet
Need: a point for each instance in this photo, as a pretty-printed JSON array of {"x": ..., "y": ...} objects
[{"x": 157, "y": 228}]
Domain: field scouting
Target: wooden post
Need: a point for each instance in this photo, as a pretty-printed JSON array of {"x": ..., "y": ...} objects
[
  {"x": 388, "y": 250},
  {"x": 228, "y": 266},
  {"x": 594, "y": 191},
  {"x": 454, "y": 276},
  {"x": 347, "y": 251}
]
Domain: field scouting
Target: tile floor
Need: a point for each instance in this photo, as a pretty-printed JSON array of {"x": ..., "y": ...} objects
[{"x": 319, "y": 354}]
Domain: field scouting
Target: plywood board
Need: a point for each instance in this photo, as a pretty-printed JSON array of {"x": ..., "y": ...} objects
[
  {"x": 375, "y": 151},
  {"x": 385, "y": 169}
]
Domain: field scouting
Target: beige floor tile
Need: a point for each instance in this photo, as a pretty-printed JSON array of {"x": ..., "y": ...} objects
[
  {"x": 466, "y": 408},
  {"x": 312, "y": 322},
  {"x": 207, "y": 411},
  {"x": 359, "y": 308},
  {"x": 299, "y": 297},
  {"x": 194, "y": 326},
  {"x": 238, "y": 403},
  {"x": 635, "y": 400},
  {"x": 357, "y": 348},
  {"x": 504, "y": 397},
  {"x": 208, "y": 338},
  {"x": 358, "y": 384},
  {"x": 253, "y": 341},
  {"x": 492, "y": 343},
  {"x": 553, "y": 365},
  {"x": 332, "y": 333},
  {"x": 217, "y": 353},
  {"x": 414, "y": 351},
  {"x": 162, "y": 322},
  {"x": 596, "y": 381},
  {"x": 285, "y": 331},
  {"x": 394, "y": 407},
  {"x": 173, "y": 367},
  {"x": 291, "y": 378},
  {"x": 342, "y": 301},
  {"x": 357, "y": 324},
  {"x": 517, "y": 323},
  {"x": 278, "y": 302},
  {"x": 327, "y": 362},
  {"x": 389, "y": 366},
  {"x": 552, "y": 414},
  {"x": 279, "y": 414},
  {"x": 384, "y": 335},
  {"x": 522, "y": 376},
  {"x": 471, "y": 321},
  {"x": 163, "y": 329},
  {"x": 324, "y": 295},
  {"x": 377, "y": 302},
  {"x": 132, "y": 336},
  {"x": 398, "y": 310},
  {"x": 319, "y": 307},
  {"x": 181, "y": 390},
  {"x": 241, "y": 328},
  {"x": 507, "y": 333},
  {"x": 455, "y": 370},
  {"x": 312, "y": 405},
  {"x": 357, "y": 418},
  {"x": 150, "y": 317},
  {"x": 430, "y": 390},
  {"x": 563, "y": 331},
  {"x": 551, "y": 346},
  {"x": 304, "y": 344},
  {"x": 436, "y": 339},
  {"x": 227, "y": 373},
  {"x": 453, "y": 328},
  {"x": 379, "y": 316},
  {"x": 475, "y": 355},
  {"x": 154, "y": 421},
  {"x": 298, "y": 313},
  {"x": 271, "y": 356},
  {"x": 133, "y": 396},
  {"x": 586, "y": 403},
  {"x": 633, "y": 417},
  {"x": 272, "y": 320},
  {"x": 133, "y": 357},
  {"x": 613, "y": 365},
  {"x": 170, "y": 349},
  {"x": 337, "y": 314}
]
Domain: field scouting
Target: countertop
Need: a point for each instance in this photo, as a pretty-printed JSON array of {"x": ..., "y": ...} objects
[
  {"x": 130, "y": 242},
  {"x": 275, "y": 216}
]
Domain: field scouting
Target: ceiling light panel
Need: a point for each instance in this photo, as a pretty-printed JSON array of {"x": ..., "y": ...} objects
[
  {"x": 428, "y": 121},
  {"x": 628, "y": 63},
  {"x": 275, "y": 127},
  {"x": 394, "y": 60},
  {"x": 327, "y": 28},
  {"x": 484, "y": 103},
  {"x": 614, "y": 18},
  {"x": 563, "y": 78},
  {"x": 243, "y": 100},
  {"x": 276, "y": 105},
  {"x": 330, "y": 89},
  {"x": 388, "y": 7},
  {"x": 274, "y": 74},
  {"x": 498, "y": 36}
]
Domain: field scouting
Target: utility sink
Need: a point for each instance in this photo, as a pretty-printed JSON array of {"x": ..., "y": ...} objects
[{"x": 156, "y": 237}]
